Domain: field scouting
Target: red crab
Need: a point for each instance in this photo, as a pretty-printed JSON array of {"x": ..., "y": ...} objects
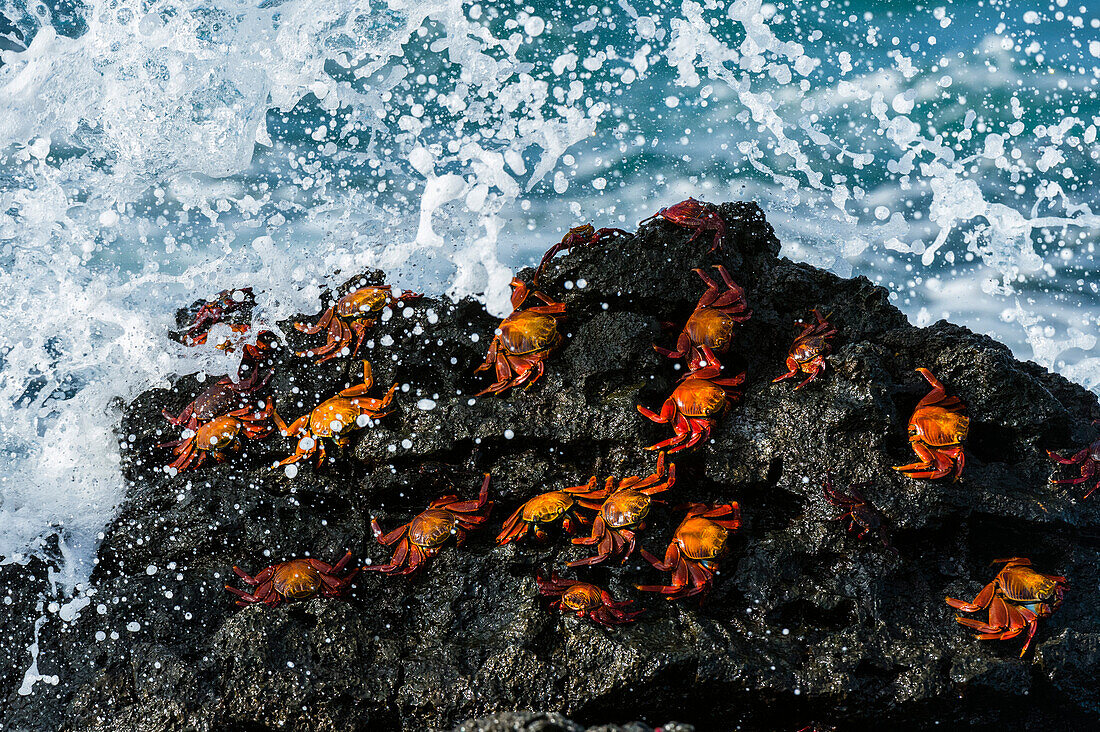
[
  {"x": 335, "y": 418},
  {"x": 523, "y": 341},
  {"x": 808, "y": 352},
  {"x": 585, "y": 600},
  {"x": 697, "y": 545},
  {"x": 585, "y": 235},
  {"x": 937, "y": 430},
  {"x": 862, "y": 518},
  {"x": 1088, "y": 461},
  {"x": 254, "y": 353},
  {"x": 546, "y": 508},
  {"x": 1017, "y": 597},
  {"x": 695, "y": 404},
  {"x": 220, "y": 435},
  {"x": 713, "y": 322},
  {"x": 694, "y": 215},
  {"x": 423, "y": 537},
  {"x": 297, "y": 579},
  {"x": 218, "y": 399},
  {"x": 623, "y": 513},
  {"x": 349, "y": 318},
  {"x": 214, "y": 311}
]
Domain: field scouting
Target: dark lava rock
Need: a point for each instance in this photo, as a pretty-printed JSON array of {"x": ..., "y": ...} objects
[{"x": 805, "y": 625}]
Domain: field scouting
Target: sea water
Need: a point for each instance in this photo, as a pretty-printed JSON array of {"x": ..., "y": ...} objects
[{"x": 156, "y": 151}]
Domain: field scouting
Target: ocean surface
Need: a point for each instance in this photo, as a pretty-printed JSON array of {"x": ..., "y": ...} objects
[{"x": 154, "y": 152}]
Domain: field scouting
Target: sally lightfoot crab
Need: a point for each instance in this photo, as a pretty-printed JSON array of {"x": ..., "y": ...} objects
[
  {"x": 585, "y": 600},
  {"x": 697, "y": 545},
  {"x": 297, "y": 579},
  {"x": 623, "y": 513},
  {"x": 583, "y": 236},
  {"x": 220, "y": 398},
  {"x": 696, "y": 215},
  {"x": 714, "y": 320},
  {"x": 348, "y": 319},
  {"x": 808, "y": 352},
  {"x": 1087, "y": 461},
  {"x": 937, "y": 431},
  {"x": 335, "y": 418},
  {"x": 219, "y": 436},
  {"x": 423, "y": 537},
  {"x": 548, "y": 508},
  {"x": 213, "y": 312},
  {"x": 1017, "y": 597},
  {"x": 861, "y": 517},
  {"x": 696, "y": 404},
  {"x": 523, "y": 341}
]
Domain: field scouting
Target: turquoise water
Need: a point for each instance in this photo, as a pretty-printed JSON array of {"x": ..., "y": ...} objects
[{"x": 154, "y": 152}]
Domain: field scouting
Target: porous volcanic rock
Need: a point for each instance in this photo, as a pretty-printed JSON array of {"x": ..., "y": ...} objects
[{"x": 805, "y": 625}]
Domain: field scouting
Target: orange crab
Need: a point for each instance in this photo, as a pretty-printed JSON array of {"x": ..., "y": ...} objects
[
  {"x": 585, "y": 600},
  {"x": 220, "y": 435},
  {"x": 695, "y": 404},
  {"x": 1017, "y": 597},
  {"x": 523, "y": 341},
  {"x": 712, "y": 324},
  {"x": 697, "y": 545},
  {"x": 585, "y": 235},
  {"x": 297, "y": 579},
  {"x": 423, "y": 537},
  {"x": 694, "y": 215},
  {"x": 937, "y": 430},
  {"x": 808, "y": 352},
  {"x": 1088, "y": 462},
  {"x": 547, "y": 508},
  {"x": 623, "y": 513},
  {"x": 349, "y": 318},
  {"x": 336, "y": 418}
]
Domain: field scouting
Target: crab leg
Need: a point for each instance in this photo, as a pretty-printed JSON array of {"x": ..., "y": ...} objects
[
  {"x": 672, "y": 558},
  {"x": 1076, "y": 459},
  {"x": 246, "y": 597},
  {"x": 386, "y": 539},
  {"x": 668, "y": 409},
  {"x": 818, "y": 364},
  {"x": 294, "y": 428},
  {"x": 474, "y": 505},
  {"x": 982, "y": 600},
  {"x": 511, "y": 530},
  {"x": 185, "y": 454},
  {"x": 938, "y": 391},
  {"x": 363, "y": 387},
  {"x": 321, "y": 324},
  {"x": 395, "y": 562},
  {"x": 792, "y": 370},
  {"x": 1033, "y": 625},
  {"x": 681, "y": 430},
  {"x": 330, "y": 569},
  {"x": 928, "y": 460}
]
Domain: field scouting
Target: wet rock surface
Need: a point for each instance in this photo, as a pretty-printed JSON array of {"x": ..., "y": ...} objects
[{"x": 805, "y": 624}]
